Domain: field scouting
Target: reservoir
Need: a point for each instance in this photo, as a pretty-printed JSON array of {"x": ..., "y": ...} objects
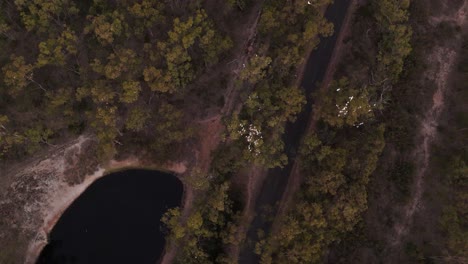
[{"x": 116, "y": 220}]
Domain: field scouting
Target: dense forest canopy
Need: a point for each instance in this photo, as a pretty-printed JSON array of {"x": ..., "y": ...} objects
[
  {"x": 112, "y": 68},
  {"x": 143, "y": 75},
  {"x": 339, "y": 156}
]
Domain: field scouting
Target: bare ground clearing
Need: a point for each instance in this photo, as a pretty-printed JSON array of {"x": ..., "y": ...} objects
[
  {"x": 211, "y": 128},
  {"x": 442, "y": 61},
  {"x": 42, "y": 190}
]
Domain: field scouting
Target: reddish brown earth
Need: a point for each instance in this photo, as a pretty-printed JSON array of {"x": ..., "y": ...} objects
[{"x": 211, "y": 128}]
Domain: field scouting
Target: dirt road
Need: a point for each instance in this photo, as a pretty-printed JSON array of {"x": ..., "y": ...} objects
[
  {"x": 210, "y": 129},
  {"x": 296, "y": 177},
  {"x": 273, "y": 187}
]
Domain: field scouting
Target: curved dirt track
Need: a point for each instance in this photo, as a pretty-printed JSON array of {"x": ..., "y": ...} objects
[
  {"x": 442, "y": 60},
  {"x": 269, "y": 192},
  {"x": 211, "y": 128}
]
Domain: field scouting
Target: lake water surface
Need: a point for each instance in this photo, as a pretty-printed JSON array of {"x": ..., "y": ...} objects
[{"x": 116, "y": 220}]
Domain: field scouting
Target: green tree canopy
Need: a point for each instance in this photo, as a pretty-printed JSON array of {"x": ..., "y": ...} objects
[
  {"x": 17, "y": 74},
  {"x": 342, "y": 105}
]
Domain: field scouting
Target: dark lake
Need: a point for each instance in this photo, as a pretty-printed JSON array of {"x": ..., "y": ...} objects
[{"x": 116, "y": 220}]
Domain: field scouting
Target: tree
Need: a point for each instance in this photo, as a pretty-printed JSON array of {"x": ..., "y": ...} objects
[
  {"x": 213, "y": 44},
  {"x": 394, "y": 46},
  {"x": 290, "y": 101},
  {"x": 148, "y": 14},
  {"x": 106, "y": 116},
  {"x": 106, "y": 27},
  {"x": 391, "y": 11},
  {"x": 241, "y": 4},
  {"x": 101, "y": 92},
  {"x": 343, "y": 105},
  {"x": 457, "y": 169},
  {"x": 273, "y": 153},
  {"x": 302, "y": 237},
  {"x": 268, "y": 21},
  {"x": 179, "y": 67},
  {"x": 329, "y": 176},
  {"x": 168, "y": 118},
  {"x": 255, "y": 69},
  {"x": 184, "y": 37},
  {"x": 5, "y": 29},
  {"x": 172, "y": 221},
  {"x": 60, "y": 99},
  {"x": 313, "y": 28},
  {"x": 309, "y": 146},
  {"x": 99, "y": 88},
  {"x": 195, "y": 222},
  {"x": 272, "y": 106},
  {"x": 36, "y": 135},
  {"x": 55, "y": 50},
  {"x": 345, "y": 212},
  {"x": 156, "y": 80},
  {"x": 17, "y": 74},
  {"x": 219, "y": 204},
  {"x": 280, "y": 19},
  {"x": 256, "y": 147},
  {"x": 201, "y": 237},
  {"x": 393, "y": 49},
  {"x": 38, "y": 14},
  {"x": 8, "y": 139},
  {"x": 104, "y": 122},
  {"x": 118, "y": 63},
  {"x": 131, "y": 91},
  {"x": 137, "y": 119}
]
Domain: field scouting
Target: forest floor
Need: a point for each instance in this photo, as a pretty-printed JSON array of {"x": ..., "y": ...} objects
[
  {"x": 252, "y": 179},
  {"x": 404, "y": 214},
  {"x": 295, "y": 178},
  {"x": 442, "y": 60},
  {"x": 402, "y": 223},
  {"x": 211, "y": 128},
  {"x": 42, "y": 187},
  {"x": 36, "y": 192}
]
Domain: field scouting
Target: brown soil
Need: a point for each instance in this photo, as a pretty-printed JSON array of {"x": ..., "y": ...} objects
[
  {"x": 340, "y": 46},
  {"x": 211, "y": 128},
  {"x": 38, "y": 204},
  {"x": 296, "y": 177},
  {"x": 249, "y": 180},
  {"x": 442, "y": 61},
  {"x": 252, "y": 179},
  {"x": 42, "y": 188}
]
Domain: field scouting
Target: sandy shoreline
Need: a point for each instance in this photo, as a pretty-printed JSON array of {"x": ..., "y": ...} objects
[{"x": 40, "y": 193}]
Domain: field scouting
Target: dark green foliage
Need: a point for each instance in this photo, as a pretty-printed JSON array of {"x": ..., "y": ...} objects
[
  {"x": 332, "y": 198},
  {"x": 344, "y": 105},
  {"x": 102, "y": 67},
  {"x": 338, "y": 159},
  {"x": 203, "y": 235},
  {"x": 402, "y": 176},
  {"x": 273, "y": 100}
]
